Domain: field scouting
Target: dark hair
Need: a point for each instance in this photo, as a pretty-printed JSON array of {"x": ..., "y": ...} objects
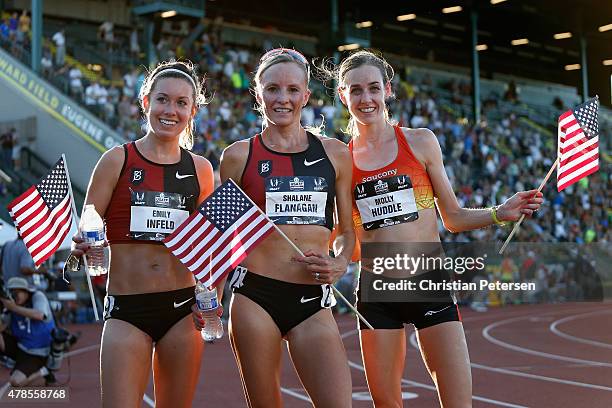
[
  {"x": 167, "y": 69},
  {"x": 328, "y": 70}
]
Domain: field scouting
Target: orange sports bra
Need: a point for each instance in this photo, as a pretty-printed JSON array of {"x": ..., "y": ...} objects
[{"x": 392, "y": 194}]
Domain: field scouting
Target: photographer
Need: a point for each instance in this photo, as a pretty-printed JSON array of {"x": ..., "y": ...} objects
[
  {"x": 17, "y": 261},
  {"x": 31, "y": 322}
]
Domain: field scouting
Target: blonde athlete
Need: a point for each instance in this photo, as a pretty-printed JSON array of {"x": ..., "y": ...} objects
[{"x": 295, "y": 177}]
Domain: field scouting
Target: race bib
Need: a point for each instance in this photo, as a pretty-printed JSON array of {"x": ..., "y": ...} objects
[
  {"x": 155, "y": 215},
  {"x": 296, "y": 200},
  {"x": 386, "y": 202},
  {"x": 328, "y": 300}
]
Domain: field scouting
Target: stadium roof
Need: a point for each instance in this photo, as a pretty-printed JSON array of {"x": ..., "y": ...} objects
[{"x": 445, "y": 37}]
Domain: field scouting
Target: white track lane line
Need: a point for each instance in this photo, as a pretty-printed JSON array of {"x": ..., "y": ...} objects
[
  {"x": 296, "y": 394},
  {"x": 553, "y": 328},
  {"x": 541, "y": 377},
  {"x": 150, "y": 402},
  {"x": 414, "y": 343},
  {"x": 429, "y": 386},
  {"x": 69, "y": 354},
  {"x": 82, "y": 350},
  {"x": 432, "y": 388},
  {"x": 304, "y": 397},
  {"x": 486, "y": 334}
]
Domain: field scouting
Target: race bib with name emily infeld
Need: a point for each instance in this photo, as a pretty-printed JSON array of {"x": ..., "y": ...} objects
[{"x": 155, "y": 215}]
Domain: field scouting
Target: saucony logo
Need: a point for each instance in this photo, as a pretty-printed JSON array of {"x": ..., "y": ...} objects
[
  {"x": 177, "y": 305},
  {"x": 307, "y": 163},
  {"x": 431, "y": 312},
  {"x": 182, "y": 176},
  {"x": 302, "y": 300}
]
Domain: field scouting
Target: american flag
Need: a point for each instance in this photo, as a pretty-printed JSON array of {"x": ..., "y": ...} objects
[
  {"x": 578, "y": 147},
  {"x": 43, "y": 214},
  {"x": 219, "y": 234}
]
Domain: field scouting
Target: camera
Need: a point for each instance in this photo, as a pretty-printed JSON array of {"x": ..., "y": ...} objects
[
  {"x": 4, "y": 292},
  {"x": 61, "y": 341}
]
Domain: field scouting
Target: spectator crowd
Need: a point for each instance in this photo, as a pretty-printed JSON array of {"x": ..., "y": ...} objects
[{"x": 486, "y": 162}]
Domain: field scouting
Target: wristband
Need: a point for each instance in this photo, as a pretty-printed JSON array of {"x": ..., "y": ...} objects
[{"x": 496, "y": 220}]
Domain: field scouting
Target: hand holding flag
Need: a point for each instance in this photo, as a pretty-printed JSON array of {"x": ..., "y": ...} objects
[
  {"x": 577, "y": 152},
  {"x": 43, "y": 214},
  {"x": 219, "y": 234}
]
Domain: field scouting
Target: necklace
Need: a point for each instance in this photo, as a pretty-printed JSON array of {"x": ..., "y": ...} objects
[{"x": 269, "y": 143}]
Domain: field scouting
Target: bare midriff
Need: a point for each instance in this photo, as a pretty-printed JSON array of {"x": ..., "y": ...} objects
[
  {"x": 145, "y": 268},
  {"x": 273, "y": 257}
]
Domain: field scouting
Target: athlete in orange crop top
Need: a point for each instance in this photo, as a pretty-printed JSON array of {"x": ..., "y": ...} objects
[
  {"x": 392, "y": 194},
  {"x": 397, "y": 172}
]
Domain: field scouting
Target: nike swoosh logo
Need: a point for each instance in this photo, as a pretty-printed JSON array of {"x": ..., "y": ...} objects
[
  {"x": 182, "y": 176},
  {"x": 431, "y": 312},
  {"x": 138, "y": 235},
  {"x": 177, "y": 305},
  {"x": 302, "y": 300},
  {"x": 307, "y": 163}
]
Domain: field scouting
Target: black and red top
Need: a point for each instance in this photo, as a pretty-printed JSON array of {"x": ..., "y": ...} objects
[
  {"x": 292, "y": 188},
  {"x": 150, "y": 199}
]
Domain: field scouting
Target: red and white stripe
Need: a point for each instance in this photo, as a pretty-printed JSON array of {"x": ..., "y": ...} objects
[
  {"x": 42, "y": 230},
  {"x": 578, "y": 155},
  {"x": 210, "y": 254}
]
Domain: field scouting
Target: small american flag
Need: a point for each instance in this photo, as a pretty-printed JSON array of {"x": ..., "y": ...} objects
[
  {"x": 43, "y": 214},
  {"x": 578, "y": 147},
  {"x": 219, "y": 234}
]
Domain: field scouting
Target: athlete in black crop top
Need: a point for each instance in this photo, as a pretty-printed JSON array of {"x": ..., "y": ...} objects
[
  {"x": 292, "y": 188},
  {"x": 293, "y": 176},
  {"x": 150, "y": 292},
  {"x": 150, "y": 199}
]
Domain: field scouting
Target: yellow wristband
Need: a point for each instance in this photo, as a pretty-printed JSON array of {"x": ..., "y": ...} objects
[{"x": 494, "y": 217}]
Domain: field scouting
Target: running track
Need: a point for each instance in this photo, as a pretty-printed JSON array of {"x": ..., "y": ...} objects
[{"x": 522, "y": 356}]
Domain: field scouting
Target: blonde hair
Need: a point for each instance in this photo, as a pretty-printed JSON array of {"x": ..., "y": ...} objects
[
  {"x": 283, "y": 55},
  {"x": 182, "y": 70}
]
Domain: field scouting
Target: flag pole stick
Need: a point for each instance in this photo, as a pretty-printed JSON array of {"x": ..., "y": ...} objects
[
  {"x": 518, "y": 223},
  {"x": 299, "y": 251},
  {"x": 74, "y": 215}
]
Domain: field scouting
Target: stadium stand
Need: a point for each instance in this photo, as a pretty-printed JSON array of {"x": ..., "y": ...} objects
[{"x": 510, "y": 150}]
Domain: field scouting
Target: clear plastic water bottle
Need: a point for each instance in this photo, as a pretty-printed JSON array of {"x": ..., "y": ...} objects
[
  {"x": 208, "y": 303},
  {"x": 92, "y": 230}
]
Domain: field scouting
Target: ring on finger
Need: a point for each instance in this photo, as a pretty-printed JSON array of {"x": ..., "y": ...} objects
[{"x": 317, "y": 275}]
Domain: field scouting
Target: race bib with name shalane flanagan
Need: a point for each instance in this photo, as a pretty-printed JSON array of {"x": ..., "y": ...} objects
[
  {"x": 296, "y": 199},
  {"x": 155, "y": 215},
  {"x": 386, "y": 202}
]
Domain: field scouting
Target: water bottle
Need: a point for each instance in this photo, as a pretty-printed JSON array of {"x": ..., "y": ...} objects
[
  {"x": 92, "y": 230},
  {"x": 207, "y": 304}
]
